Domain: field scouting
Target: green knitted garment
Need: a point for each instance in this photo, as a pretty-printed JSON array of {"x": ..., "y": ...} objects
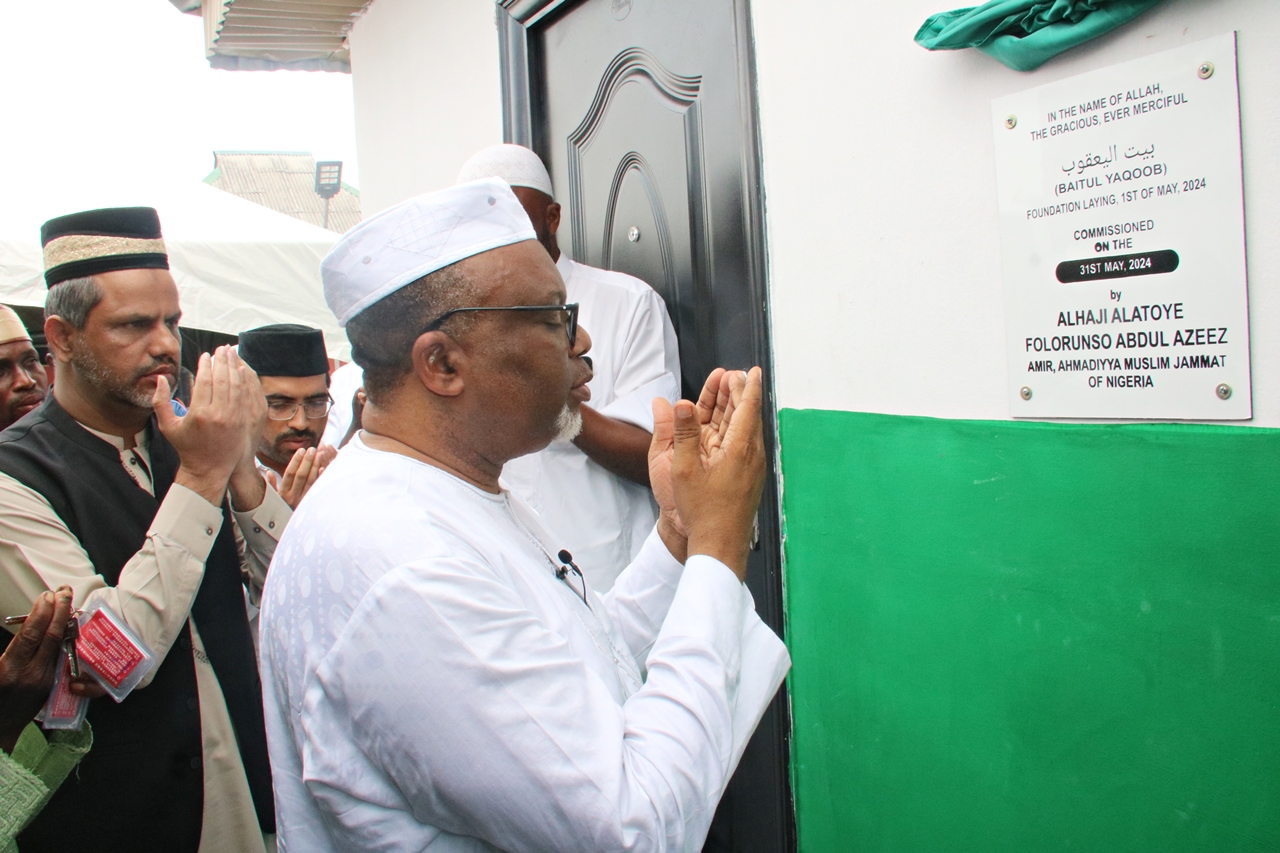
[{"x": 29, "y": 777}]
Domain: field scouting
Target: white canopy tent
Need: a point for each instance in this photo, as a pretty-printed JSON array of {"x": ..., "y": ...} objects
[{"x": 237, "y": 264}]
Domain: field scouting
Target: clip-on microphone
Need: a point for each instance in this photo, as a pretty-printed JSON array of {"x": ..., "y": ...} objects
[{"x": 563, "y": 572}]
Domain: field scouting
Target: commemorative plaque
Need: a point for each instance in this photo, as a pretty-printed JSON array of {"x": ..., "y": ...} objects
[{"x": 1122, "y": 235}]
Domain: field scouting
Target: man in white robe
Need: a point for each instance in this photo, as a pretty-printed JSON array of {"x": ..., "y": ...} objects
[
  {"x": 344, "y": 417},
  {"x": 437, "y": 677},
  {"x": 593, "y": 491}
]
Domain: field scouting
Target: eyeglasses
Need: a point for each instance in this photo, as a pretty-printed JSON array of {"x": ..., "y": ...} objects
[
  {"x": 570, "y": 316},
  {"x": 284, "y": 410}
]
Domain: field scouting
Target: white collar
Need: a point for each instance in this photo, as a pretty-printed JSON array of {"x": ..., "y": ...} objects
[
  {"x": 565, "y": 265},
  {"x": 116, "y": 441}
]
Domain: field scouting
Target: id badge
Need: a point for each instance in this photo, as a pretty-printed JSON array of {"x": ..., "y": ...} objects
[
  {"x": 64, "y": 709},
  {"x": 111, "y": 652}
]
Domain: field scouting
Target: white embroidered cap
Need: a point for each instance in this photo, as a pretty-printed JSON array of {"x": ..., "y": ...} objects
[
  {"x": 515, "y": 164},
  {"x": 11, "y": 327},
  {"x": 416, "y": 237}
]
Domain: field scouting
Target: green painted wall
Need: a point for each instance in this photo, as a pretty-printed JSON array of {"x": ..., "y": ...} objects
[{"x": 1032, "y": 637}]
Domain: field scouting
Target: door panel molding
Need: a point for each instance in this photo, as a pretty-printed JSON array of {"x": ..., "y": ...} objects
[
  {"x": 632, "y": 64},
  {"x": 635, "y": 162},
  {"x": 679, "y": 93}
]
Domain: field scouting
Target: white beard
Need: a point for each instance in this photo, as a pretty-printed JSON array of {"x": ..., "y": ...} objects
[{"x": 568, "y": 424}]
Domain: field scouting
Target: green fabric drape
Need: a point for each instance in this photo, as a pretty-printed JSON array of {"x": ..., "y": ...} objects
[{"x": 1024, "y": 34}]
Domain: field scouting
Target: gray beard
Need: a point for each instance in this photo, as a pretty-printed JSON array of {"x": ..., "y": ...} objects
[
  {"x": 568, "y": 424},
  {"x": 88, "y": 366}
]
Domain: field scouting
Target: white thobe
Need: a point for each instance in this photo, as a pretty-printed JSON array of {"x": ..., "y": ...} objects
[
  {"x": 344, "y": 383},
  {"x": 431, "y": 684},
  {"x": 603, "y": 519}
]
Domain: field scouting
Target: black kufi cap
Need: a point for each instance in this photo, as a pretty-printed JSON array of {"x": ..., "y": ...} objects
[
  {"x": 285, "y": 349},
  {"x": 98, "y": 241}
]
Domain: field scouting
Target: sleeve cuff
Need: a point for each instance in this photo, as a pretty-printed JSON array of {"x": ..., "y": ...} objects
[
  {"x": 654, "y": 553},
  {"x": 51, "y": 756},
  {"x": 709, "y": 607},
  {"x": 266, "y": 521},
  {"x": 187, "y": 519}
]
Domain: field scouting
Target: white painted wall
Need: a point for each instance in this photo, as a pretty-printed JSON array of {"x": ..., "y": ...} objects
[
  {"x": 427, "y": 94},
  {"x": 883, "y": 238}
]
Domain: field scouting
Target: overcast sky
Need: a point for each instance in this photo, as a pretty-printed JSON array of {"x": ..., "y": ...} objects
[{"x": 123, "y": 86}]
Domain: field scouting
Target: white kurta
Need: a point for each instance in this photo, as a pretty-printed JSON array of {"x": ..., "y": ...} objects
[
  {"x": 344, "y": 383},
  {"x": 603, "y": 519},
  {"x": 431, "y": 685}
]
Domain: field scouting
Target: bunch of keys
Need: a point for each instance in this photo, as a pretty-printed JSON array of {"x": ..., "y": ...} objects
[
  {"x": 63, "y": 710},
  {"x": 99, "y": 643},
  {"x": 69, "y": 637}
]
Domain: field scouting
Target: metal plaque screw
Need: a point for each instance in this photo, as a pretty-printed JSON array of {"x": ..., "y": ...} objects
[
  {"x": 633, "y": 234},
  {"x": 1010, "y": 122},
  {"x": 1025, "y": 392},
  {"x": 1205, "y": 71},
  {"x": 1224, "y": 391}
]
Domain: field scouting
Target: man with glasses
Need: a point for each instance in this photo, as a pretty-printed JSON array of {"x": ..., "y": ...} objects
[
  {"x": 293, "y": 367},
  {"x": 437, "y": 674},
  {"x": 161, "y": 519}
]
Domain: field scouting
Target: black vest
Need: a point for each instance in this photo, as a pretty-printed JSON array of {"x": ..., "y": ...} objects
[{"x": 141, "y": 787}]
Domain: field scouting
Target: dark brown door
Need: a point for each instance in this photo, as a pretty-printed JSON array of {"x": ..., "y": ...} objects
[{"x": 644, "y": 111}]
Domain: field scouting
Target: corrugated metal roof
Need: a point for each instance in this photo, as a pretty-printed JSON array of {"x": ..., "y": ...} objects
[
  {"x": 254, "y": 35},
  {"x": 284, "y": 181}
]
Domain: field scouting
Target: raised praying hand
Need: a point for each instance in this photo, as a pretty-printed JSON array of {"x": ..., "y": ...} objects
[
  {"x": 706, "y": 467},
  {"x": 300, "y": 475},
  {"x": 221, "y": 426}
]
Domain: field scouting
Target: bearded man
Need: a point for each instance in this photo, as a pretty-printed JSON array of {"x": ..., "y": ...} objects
[
  {"x": 293, "y": 367},
  {"x": 23, "y": 381},
  {"x": 438, "y": 676},
  {"x": 104, "y": 488}
]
